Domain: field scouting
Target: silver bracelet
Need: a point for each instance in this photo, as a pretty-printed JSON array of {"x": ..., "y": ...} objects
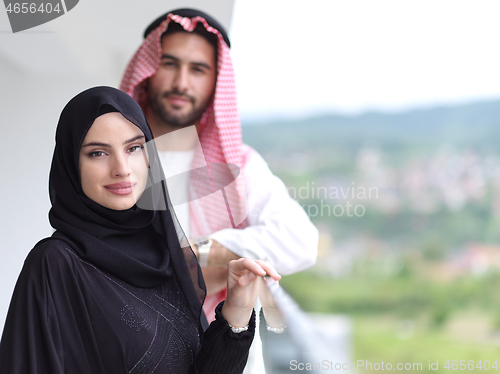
[
  {"x": 237, "y": 330},
  {"x": 276, "y": 330}
]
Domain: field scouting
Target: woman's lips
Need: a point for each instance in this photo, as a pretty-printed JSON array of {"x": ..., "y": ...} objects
[{"x": 122, "y": 188}]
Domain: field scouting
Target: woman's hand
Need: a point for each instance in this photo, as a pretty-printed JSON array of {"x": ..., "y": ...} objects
[{"x": 244, "y": 277}]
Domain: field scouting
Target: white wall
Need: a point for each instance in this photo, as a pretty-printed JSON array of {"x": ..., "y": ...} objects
[{"x": 40, "y": 71}]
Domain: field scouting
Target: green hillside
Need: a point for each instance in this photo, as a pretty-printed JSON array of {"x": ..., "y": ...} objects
[{"x": 476, "y": 123}]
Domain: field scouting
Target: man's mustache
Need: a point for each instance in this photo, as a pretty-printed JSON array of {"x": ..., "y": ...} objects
[{"x": 180, "y": 94}]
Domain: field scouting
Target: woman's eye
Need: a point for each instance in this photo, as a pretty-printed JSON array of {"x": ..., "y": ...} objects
[
  {"x": 96, "y": 154},
  {"x": 136, "y": 148}
]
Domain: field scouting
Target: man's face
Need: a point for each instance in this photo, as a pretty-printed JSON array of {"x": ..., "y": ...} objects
[{"x": 183, "y": 85}]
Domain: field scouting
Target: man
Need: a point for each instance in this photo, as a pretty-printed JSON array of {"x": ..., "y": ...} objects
[{"x": 182, "y": 77}]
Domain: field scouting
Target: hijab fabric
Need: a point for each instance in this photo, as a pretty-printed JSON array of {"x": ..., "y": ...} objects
[{"x": 141, "y": 245}]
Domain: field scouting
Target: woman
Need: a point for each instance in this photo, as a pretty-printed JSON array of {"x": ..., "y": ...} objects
[{"x": 116, "y": 288}]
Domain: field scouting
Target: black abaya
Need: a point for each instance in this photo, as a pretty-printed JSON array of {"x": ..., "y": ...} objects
[{"x": 68, "y": 316}]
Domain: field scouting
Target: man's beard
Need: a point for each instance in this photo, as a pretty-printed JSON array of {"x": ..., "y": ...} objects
[{"x": 179, "y": 120}]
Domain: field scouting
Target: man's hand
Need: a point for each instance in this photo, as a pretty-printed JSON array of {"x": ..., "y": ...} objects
[
  {"x": 215, "y": 278},
  {"x": 215, "y": 274},
  {"x": 244, "y": 277},
  {"x": 272, "y": 314},
  {"x": 219, "y": 255}
]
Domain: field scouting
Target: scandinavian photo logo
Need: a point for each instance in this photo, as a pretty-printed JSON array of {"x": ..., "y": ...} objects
[
  {"x": 29, "y": 14},
  {"x": 319, "y": 200}
]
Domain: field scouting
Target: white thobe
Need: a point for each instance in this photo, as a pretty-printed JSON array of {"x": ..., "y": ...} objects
[{"x": 279, "y": 230}]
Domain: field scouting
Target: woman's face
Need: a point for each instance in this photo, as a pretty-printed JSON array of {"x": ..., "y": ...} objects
[{"x": 113, "y": 162}]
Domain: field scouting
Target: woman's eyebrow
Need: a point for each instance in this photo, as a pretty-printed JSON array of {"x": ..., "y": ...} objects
[
  {"x": 99, "y": 144},
  {"x": 134, "y": 139},
  {"x": 96, "y": 144}
]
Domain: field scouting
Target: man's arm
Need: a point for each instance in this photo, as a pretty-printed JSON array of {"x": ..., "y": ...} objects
[{"x": 279, "y": 230}]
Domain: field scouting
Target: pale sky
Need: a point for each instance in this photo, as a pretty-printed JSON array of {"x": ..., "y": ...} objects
[{"x": 300, "y": 57}]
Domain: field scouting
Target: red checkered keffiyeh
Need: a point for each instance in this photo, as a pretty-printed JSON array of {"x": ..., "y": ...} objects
[{"x": 220, "y": 135}]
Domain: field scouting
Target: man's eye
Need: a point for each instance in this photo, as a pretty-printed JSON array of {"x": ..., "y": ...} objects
[{"x": 168, "y": 63}]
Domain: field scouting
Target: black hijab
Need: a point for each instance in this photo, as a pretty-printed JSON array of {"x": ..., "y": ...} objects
[{"x": 143, "y": 245}]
